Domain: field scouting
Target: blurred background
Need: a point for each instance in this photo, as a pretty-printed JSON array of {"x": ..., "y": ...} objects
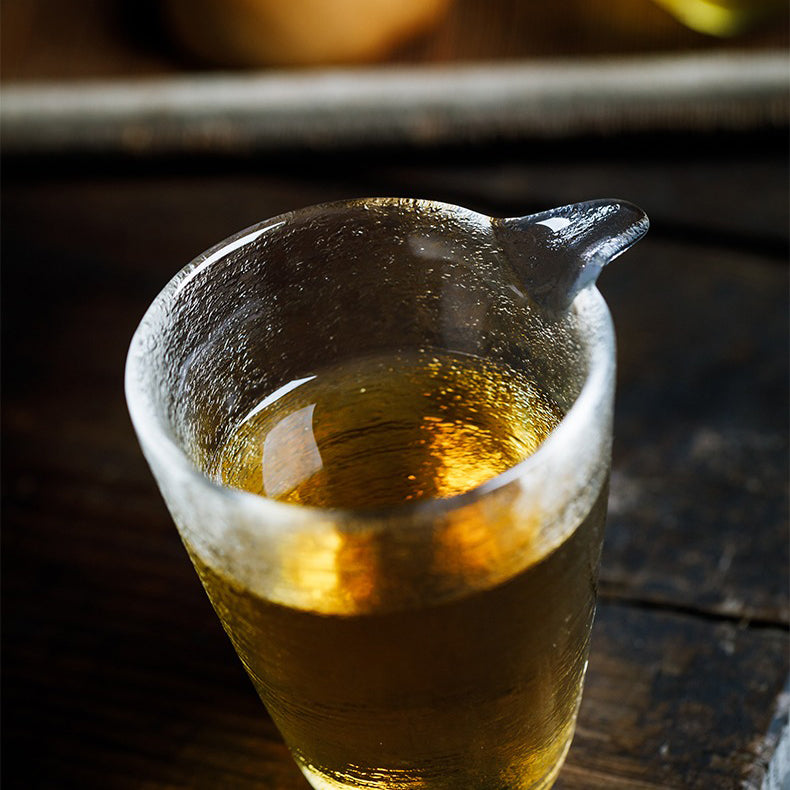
[
  {"x": 102, "y": 38},
  {"x": 134, "y": 135},
  {"x": 210, "y": 75}
]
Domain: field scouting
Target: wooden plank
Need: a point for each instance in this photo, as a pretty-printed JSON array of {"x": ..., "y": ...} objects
[
  {"x": 340, "y": 109},
  {"x": 700, "y": 467},
  {"x": 116, "y": 672},
  {"x": 659, "y": 685}
]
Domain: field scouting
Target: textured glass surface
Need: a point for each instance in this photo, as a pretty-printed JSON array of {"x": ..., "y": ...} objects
[{"x": 438, "y": 641}]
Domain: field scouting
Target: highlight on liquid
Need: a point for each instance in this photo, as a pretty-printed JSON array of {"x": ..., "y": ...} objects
[{"x": 385, "y": 430}]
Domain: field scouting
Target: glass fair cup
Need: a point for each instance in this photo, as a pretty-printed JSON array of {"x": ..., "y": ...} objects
[{"x": 440, "y": 643}]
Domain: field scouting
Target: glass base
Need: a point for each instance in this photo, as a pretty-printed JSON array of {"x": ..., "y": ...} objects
[{"x": 320, "y": 781}]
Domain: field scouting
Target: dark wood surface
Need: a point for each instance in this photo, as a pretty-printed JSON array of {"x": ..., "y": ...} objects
[{"x": 116, "y": 673}]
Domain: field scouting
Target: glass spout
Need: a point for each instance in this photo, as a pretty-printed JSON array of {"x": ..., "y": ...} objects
[{"x": 557, "y": 253}]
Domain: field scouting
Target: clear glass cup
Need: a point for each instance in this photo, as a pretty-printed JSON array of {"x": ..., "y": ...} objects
[{"x": 440, "y": 643}]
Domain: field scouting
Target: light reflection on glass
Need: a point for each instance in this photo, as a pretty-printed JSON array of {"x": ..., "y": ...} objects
[{"x": 290, "y": 453}]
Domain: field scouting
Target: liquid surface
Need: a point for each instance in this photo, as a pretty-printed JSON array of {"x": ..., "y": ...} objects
[{"x": 381, "y": 431}]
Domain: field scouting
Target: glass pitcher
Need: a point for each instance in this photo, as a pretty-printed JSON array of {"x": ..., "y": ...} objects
[{"x": 414, "y": 634}]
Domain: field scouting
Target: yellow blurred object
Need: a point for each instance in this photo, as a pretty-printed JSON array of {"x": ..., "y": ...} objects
[
  {"x": 722, "y": 17},
  {"x": 299, "y": 32}
]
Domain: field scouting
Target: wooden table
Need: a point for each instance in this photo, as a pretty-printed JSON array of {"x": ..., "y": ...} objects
[{"x": 116, "y": 673}]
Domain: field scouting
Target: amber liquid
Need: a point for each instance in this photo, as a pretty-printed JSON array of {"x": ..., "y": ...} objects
[{"x": 480, "y": 692}]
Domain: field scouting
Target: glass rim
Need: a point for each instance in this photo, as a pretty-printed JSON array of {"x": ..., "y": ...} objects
[{"x": 156, "y": 438}]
